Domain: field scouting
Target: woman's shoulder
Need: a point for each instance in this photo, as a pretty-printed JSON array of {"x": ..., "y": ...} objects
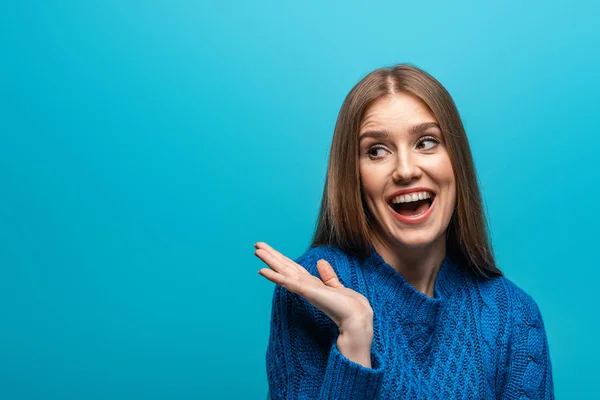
[
  {"x": 501, "y": 287},
  {"x": 502, "y": 295}
]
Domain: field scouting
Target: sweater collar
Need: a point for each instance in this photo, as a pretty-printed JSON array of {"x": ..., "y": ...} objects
[{"x": 417, "y": 307}]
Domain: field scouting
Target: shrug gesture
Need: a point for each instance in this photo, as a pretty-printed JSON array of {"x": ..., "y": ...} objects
[{"x": 348, "y": 309}]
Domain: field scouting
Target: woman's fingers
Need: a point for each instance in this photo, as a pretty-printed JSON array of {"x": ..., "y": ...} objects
[
  {"x": 293, "y": 276},
  {"x": 328, "y": 275},
  {"x": 325, "y": 293},
  {"x": 294, "y": 284},
  {"x": 276, "y": 254},
  {"x": 280, "y": 257},
  {"x": 274, "y": 263},
  {"x": 283, "y": 265},
  {"x": 273, "y": 276}
]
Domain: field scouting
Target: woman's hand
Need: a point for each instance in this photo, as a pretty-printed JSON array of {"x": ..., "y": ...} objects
[{"x": 348, "y": 309}]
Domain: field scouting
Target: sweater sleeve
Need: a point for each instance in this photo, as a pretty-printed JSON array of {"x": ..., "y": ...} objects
[
  {"x": 303, "y": 361},
  {"x": 528, "y": 372}
]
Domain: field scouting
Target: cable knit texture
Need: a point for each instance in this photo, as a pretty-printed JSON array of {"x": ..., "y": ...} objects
[{"x": 474, "y": 339}]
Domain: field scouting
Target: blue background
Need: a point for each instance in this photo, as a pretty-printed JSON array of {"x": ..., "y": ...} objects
[{"x": 145, "y": 146}]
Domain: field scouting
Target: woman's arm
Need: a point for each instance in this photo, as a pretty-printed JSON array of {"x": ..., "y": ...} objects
[
  {"x": 305, "y": 354},
  {"x": 528, "y": 372}
]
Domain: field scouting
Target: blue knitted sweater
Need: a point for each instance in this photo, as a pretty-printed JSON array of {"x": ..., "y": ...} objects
[{"x": 475, "y": 339}]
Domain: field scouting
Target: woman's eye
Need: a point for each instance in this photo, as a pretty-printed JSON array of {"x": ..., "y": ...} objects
[
  {"x": 427, "y": 143},
  {"x": 373, "y": 151}
]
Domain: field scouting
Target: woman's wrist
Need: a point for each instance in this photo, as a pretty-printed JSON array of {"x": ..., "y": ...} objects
[{"x": 355, "y": 344}]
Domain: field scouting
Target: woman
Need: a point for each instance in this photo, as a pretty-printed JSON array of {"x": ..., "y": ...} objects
[{"x": 399, "y": 295}]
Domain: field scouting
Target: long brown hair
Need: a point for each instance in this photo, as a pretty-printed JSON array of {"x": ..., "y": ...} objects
[{"x": 343, "y": 219}]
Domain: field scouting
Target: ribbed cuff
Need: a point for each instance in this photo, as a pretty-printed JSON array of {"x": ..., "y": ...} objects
[{"x": 345, "y": 379}]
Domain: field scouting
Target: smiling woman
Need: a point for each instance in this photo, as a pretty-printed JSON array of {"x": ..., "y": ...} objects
[
  {"x": 410, "y": 205},
  {"x": 399, "y": 295},
  {"x": 412, "y": 151}
]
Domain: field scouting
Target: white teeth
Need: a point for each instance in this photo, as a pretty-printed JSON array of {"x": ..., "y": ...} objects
[{"x": 412, "y": 197}]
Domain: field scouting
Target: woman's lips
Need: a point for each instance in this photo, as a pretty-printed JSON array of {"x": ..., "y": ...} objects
[{"x": 414, "y": 219}]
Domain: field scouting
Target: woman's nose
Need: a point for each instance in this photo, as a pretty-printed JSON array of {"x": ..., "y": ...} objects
[{"x": 406, "y": 169}]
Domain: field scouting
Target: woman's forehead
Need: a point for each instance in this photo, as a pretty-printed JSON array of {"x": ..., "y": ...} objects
[
  {"x": 396, "y": 110},
  {"x": 397, "y": 114}
]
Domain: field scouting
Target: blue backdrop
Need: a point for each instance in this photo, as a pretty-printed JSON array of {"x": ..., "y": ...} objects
[{"x": 145, "y": 146}]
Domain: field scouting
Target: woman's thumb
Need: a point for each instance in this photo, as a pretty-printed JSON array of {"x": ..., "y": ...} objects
[{"x": 328, "y": 275}]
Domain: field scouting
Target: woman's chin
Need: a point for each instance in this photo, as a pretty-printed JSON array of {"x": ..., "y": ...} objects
[
  {"x": 415, "y": 244},
  {"x": 419, "y": 239}
]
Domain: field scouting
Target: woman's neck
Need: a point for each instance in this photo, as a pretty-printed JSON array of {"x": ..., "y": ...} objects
[{"x": 419, "y": 266}]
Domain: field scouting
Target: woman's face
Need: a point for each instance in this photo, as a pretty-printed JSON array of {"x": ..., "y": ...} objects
[{"x": 406, "y": 175}]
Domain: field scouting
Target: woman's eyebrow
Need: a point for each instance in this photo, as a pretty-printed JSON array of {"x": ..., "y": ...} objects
[
  {"x": 420, "y": 128},
  {"x": 382, "y": 135},
  {"x": 377, "y": 135}
]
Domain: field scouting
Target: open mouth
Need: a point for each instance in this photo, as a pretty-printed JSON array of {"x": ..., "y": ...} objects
[{"x": 412, "y": 204}]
